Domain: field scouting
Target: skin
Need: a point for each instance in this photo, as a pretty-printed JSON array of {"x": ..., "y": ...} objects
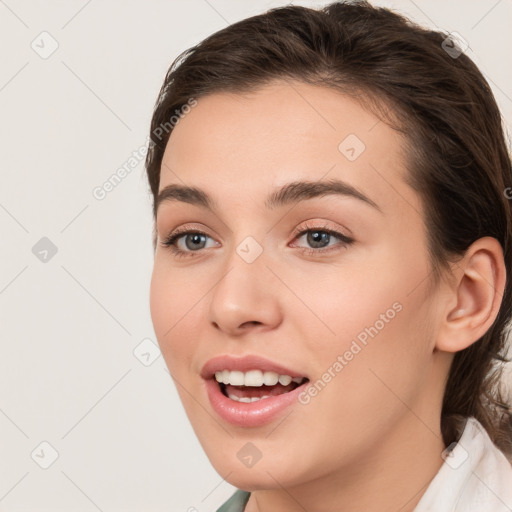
[{"x": 371, "y": 439}]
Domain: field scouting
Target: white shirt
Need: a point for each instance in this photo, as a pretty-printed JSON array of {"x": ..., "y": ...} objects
[{"x": 475, "y": 477}]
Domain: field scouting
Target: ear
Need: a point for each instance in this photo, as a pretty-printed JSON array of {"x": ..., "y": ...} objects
[{"x": 475, "y": 296}]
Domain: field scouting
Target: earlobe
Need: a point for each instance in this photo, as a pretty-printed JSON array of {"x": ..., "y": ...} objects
[{"x": 477, "y": 293}]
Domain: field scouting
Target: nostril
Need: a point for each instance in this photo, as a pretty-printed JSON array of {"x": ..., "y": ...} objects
[{"x": 252, "y": 322}]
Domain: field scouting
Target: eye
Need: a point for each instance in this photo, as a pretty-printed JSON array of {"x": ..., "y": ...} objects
[
  {"x": 319, "y": 238},
  {"x": 193, "y": 240}
]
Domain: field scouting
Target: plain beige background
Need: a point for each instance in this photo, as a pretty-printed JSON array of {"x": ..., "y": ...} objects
[{"x": 83, "y": 390}]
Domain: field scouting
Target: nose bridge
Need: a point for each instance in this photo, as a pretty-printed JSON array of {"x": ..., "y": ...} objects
[{"x": 245, "y": 293}]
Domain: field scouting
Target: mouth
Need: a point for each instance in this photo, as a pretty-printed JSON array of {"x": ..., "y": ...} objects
[
  {"x": 255, "y": 385},
  {"x": 251, "y": 391}
]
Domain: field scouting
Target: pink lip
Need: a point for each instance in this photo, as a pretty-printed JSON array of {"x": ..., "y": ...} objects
[
  {"x": 253, "y": 414},
  {"x": 244, "y": 364}
]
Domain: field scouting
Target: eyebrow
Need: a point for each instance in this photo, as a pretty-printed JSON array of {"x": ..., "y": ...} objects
[{"x": 289, "y": 193}]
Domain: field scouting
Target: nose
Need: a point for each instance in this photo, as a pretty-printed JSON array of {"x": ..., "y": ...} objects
[{"x": 246, "y": 297}]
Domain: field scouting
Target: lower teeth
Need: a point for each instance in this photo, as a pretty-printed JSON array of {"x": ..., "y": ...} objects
[{"x": 247, "y": 399}]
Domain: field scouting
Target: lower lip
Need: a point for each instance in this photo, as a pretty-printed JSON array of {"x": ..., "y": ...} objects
[{"x": 253, "y": 414}]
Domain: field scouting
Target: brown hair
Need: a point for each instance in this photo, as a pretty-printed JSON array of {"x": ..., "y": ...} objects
[{"x": 456, "y": 151}]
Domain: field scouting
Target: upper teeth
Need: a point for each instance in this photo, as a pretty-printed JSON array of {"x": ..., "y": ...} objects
[{"x": 254, "y": 378}]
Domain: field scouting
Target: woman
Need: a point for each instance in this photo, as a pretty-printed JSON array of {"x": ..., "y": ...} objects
[{"x": 331, "y": 285}]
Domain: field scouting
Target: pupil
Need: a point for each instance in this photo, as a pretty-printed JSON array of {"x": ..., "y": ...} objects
[
  {"x": 196, "y": 239},
  {"x": 315, "y": 237}
]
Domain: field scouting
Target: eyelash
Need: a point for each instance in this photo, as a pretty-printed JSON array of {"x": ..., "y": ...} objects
[{"x": 170, "y": 241}]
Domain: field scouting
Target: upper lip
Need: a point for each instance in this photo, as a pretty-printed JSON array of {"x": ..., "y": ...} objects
[{"x": 244, "y": 364}]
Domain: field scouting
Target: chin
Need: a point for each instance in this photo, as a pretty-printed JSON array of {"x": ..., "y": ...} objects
[
  {"x": 248, "y": 480},
  {"x": 266, "y": 473}
]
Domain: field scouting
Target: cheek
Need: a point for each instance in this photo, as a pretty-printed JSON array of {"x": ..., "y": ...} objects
[
  {"x": 374, "y": 318},
  {"x": 160, "y": 303},
  {"x": 363, "y": 392},
  {"x": 349, "y": 301},
  {"x": 172, "y": 314}
]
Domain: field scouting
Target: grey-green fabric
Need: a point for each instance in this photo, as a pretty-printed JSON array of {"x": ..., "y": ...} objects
[{"x": 236, "y": 503}]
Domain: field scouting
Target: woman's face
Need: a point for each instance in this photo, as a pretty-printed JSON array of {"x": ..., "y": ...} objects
[{"x": 352, "y": 314}]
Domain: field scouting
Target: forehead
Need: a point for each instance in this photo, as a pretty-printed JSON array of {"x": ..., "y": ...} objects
[{"x": 245, "y": 145}]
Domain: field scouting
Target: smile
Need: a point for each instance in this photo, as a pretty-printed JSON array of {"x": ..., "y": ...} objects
[
  {"x": 251, "y": 390},
  {"x": 255, "y": 385}
]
